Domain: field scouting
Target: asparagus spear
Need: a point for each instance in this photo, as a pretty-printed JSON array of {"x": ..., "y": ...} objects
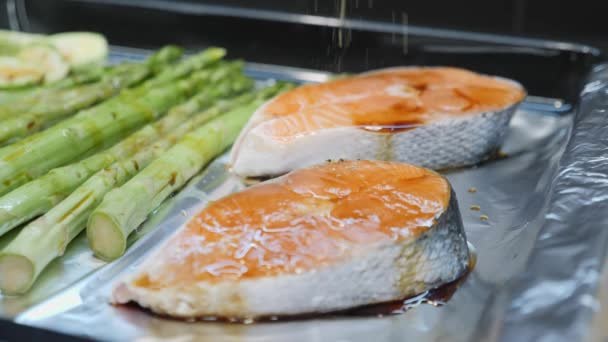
[
  {"x": 195, "y": 62},
  {"x": 31, "y": 115},
  {"x": 28, "y": 95},
  {"x": 158, "y": 60},
  {"x": 77, "y": 78},
  {"x": 67, "y": 102},
  {"x": 56, "y": 105},
  {"x": 38, "y": 196},
  {"x": 125, "y": 208},
  {"x": 91, "y": 129},
  {"x": 15, "y": 102},
  {"x": 46, "y": 238},
  {"x": 53, "y": 100}
]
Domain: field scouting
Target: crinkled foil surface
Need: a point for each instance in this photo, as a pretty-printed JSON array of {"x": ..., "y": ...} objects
[
  {"x": 554, "y": 299},
  {"x": 540, "y": 246}
]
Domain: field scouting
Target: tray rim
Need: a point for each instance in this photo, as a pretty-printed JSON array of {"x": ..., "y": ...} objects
[
  {"x": 199, "y": 8},
  {"x": 75, "y": 288},
  {"x": 547, "y": 105}
]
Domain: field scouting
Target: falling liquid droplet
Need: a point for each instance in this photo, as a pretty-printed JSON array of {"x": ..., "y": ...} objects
[{"x": 404, "y": 33}]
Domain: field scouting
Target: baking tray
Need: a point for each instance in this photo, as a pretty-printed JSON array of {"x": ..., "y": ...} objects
[
  {"x": 516, "y": 292},
  {"x": 511, "y": 193}
]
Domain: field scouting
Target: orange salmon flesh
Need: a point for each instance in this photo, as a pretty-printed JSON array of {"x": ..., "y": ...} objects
[
  {"x": 302, "y": 221},
  {"x": 388, "y": 98}
]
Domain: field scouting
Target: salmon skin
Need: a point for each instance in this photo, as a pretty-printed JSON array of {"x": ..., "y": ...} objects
[
  {"x": 433, "y": 117},
  {"x": 321, "y": 239}
]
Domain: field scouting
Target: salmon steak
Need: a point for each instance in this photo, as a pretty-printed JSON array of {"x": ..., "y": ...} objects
[
  {"x": 321, "y": 239},
  {"x": 435, "y": 117}
]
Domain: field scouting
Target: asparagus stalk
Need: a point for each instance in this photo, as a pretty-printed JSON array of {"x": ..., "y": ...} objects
[
  {"x": 91, "y": 129},
  {"x": 125, "y": 208},
  {"x": 46, "y": 238},
  {"x": 193, "y": 63},
  {"x": 158, "y": 60},
  {"x": 67, "y": 102},
  {"x": 77, "y": 78},
  {"x": 53, "y": 101},
  {"x": 15, "y": 102},
  {"x": 29, "y": 95},
  {"x": 38, "y": 196}
]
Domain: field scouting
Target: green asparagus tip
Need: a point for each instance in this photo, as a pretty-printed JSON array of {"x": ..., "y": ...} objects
[
  {"x": 237, "y": 64},
  {"x": 210, "y": 56},
  {"x": 214, "y": 53},
  {"x": 226, "y": 70},
  {"x": 167, "y": 54}
]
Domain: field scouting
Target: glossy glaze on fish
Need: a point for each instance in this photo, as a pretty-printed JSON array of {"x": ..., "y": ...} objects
[
  {"x": 432, "y": 117},
  {"x": 321, "y": 239}
]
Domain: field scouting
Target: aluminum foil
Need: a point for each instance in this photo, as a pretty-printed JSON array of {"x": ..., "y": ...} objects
[
  {"x": 538, "y": 255},
  {"x": 557, "y": 291}
]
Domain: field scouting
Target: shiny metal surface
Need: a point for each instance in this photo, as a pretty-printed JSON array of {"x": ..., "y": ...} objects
[
  {"x": 522, "y": 288},
  {"x": 509, "y": 191},
  {"x": 568, "y": 257}
]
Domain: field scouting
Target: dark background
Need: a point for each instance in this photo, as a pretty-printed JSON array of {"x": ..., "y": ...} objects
[
  {"x": 545, "y": 69},
  {"x": 580, "y": 21}
]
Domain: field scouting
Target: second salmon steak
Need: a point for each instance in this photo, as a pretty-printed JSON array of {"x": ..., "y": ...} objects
[{"x": 432, "y": 117}]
